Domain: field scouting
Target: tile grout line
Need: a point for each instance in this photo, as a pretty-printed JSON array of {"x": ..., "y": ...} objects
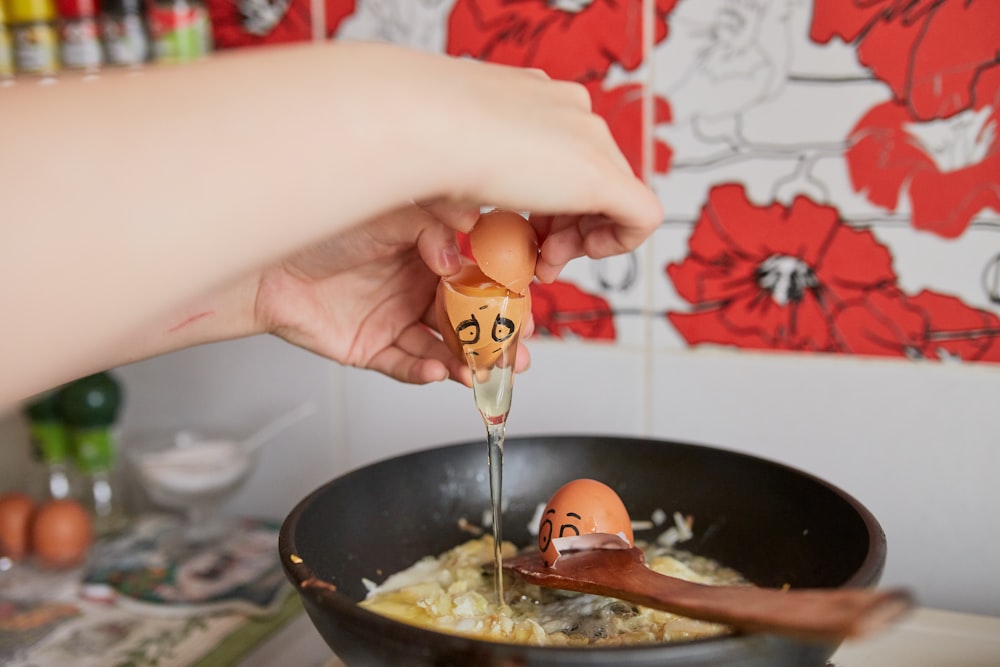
[
  {"x": 646, "y": 132},
  {"x": 317, "y": 20}
]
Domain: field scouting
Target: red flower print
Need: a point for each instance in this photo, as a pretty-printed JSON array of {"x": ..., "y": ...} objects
[
  {"x": 881, "y": 322},
  {"x": 561, "y": 310},
  {"x": 930, "y": 52},
  {"x": 621, "y": 107},
  {"x": 336, "y": 11},
  {"x": 238, "y": 23},
  {"x": 797, "y": 278},
  {"x": 569, "y": 39},
  {"x": 926, "y": 326},
  {"x": 770, "y": 277},
  {"x": 957, "y": 330},
  {"x": 949, "y": 168}
]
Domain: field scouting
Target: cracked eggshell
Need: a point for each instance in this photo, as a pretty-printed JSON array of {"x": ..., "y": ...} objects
[
  {"x": 505, "y": 246},
  {"x": 583, "y": 514},
  {"x": 478, "y": 317}
]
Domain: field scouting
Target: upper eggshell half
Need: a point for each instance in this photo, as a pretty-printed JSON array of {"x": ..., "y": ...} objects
[{"x": 505, "y": 246}]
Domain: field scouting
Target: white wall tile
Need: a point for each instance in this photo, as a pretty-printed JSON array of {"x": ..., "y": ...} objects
[
  {"x": 570, "y": 388},
  {"x": 918, "y": 444}
]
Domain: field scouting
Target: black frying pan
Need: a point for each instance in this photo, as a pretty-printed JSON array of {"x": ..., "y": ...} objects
[{"x": 773, "y": 523}]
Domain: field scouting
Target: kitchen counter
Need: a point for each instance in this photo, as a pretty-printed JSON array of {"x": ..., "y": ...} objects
[
  {"x": 925, "y": 638},
  {"x": 929, "y": 638}
]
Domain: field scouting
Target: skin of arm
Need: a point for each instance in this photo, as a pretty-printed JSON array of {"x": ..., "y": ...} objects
[{"x": 142, "y": 213}]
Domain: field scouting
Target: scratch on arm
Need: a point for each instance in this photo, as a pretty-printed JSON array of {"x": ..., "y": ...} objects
[{"x": 190, "y": 320}]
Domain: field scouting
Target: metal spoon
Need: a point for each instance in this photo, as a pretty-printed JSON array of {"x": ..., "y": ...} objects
[{"x": 823, "y": 615}]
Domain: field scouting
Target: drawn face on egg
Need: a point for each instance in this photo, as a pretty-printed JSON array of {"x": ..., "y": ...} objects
[
  {"x": 483, "y": 319},
  {"x": 583, "y": 514}
]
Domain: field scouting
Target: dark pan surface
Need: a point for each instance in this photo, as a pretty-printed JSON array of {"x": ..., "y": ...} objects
[{"x": 775, "y": 524}]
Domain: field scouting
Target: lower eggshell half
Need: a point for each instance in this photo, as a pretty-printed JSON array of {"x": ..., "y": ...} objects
[{"x": 491, "y": 312}]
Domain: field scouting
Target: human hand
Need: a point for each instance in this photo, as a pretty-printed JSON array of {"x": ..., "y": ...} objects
[
  {"x": 365, "y": 296},
  {"x": 519, "y": 140}
]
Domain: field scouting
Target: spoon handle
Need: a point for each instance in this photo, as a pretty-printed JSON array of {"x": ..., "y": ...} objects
[{"x": 825, "y": 615}]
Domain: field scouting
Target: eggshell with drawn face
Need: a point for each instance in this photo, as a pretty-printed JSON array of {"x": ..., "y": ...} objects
[
  {"x": 583, "y": 514},
  {"x": 479, "y": 319}
]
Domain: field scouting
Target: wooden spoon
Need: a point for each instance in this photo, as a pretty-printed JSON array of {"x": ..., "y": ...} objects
[{"x": 823, "y": 615}]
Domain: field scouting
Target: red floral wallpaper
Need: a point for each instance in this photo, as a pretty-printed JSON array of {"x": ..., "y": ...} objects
[{"x": 830, "y": 169}]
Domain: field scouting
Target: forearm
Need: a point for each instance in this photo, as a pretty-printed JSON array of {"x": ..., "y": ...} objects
[
  {"x": 134, "y": 203},
  {"x": 128, "y": 199}
]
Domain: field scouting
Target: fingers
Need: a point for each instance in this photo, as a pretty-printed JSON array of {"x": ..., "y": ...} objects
[
  {"x": 417, "y": 357},
  {"x": 594, "y": 236},
  {"x": 602, "y": 190},
  {"x": 523, "y": 360}
]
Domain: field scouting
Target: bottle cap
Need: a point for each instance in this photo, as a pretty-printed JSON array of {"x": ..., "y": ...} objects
[
  {"x": 122, "y": 6},
  {"x": 43, "y": 407},
  {"x": 90, "y": 402},
  {"x": 30, "y": 11},
  {"x": 76, "y": 9}
]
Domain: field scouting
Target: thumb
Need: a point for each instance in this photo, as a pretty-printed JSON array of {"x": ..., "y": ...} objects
[{"x": 438, "y": 248}]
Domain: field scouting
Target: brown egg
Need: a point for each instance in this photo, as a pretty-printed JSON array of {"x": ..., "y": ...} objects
[
  {"x": 61, "y": 533},
  {"x": 505, "y": 246},
  {"x": 16, "y": 509},
  {"x": 479, "y": 319},
  {"x": 583, "y": 514}
]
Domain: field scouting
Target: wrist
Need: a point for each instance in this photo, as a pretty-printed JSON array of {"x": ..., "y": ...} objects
[{"x": 225, "y": 313}]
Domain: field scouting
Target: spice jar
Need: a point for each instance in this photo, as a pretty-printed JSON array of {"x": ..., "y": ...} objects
[
  {"x": 34, "y": 38},
  {"x": 79, "y": 39},
  {"x": 89, "y": 407},
  {"x": 125, "y": 33},
  {"x": 6, "y": 48},
  {"x": 181, "y": 30}
]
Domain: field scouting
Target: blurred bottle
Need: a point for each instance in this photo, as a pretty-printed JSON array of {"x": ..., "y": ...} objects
[
  {"x": 33, "y": 35},
  {"x": 6, "y": 47},
  {"x": 51, "y": 448},
  {"x": 181, "y": 30},
  {"x": 125, "y": 33},
  {"x": 79, "y": 39},
  {"x": 89, "y": 407}
]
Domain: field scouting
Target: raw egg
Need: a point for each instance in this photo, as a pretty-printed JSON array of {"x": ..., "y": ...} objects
[
  {"x": 583, "y": 514},
  {"x": 61, "y": 533},
  {"x": 16, "y": 509},
  {"x": 505, "y": 247}
]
